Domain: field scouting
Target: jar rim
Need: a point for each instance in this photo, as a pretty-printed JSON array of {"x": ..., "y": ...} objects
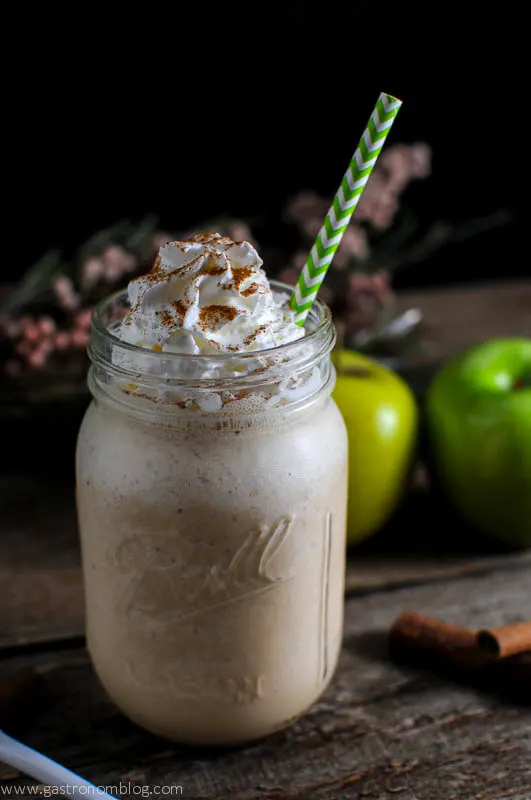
[
  {"x": 292, "y": 373},
  {"x": 319, "y": 309}
]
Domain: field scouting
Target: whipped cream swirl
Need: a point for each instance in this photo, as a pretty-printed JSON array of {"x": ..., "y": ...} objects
[{"x": 204, "y": 296}]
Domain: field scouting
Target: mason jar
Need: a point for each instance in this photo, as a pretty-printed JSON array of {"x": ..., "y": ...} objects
[{"x": 211, "y": 495}]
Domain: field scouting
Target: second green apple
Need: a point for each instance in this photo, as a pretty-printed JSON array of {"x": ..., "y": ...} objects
[{"x": 478, "y": 413}]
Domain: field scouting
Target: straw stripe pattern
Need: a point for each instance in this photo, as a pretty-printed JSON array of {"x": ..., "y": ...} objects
[{"x": 344, "y": 204}]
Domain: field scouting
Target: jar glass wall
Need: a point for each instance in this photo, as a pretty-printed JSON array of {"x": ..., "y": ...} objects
[{"x": 211, "y": 496}]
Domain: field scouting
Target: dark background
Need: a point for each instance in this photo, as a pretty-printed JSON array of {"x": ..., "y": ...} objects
[{"x": 190, "y": 112}]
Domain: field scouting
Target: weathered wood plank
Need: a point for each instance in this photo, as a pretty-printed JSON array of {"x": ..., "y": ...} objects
[
  {"x": 382, "y": 730},
  {"x": 460, "y": 316},
  {"x": 40, "y": 579},
  {"x": 370, "y": 573}
]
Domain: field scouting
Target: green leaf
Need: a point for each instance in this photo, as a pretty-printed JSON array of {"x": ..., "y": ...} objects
[
  {"x": 100, "y": 240},
  {"x": 36, "y": 279},
  {"x": 142, "y": 232}
]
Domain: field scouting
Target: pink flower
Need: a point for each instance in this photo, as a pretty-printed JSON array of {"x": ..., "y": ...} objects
[
  {"x": 383, "y": 215},
  {"x": 92, "y": 272},
  {"x": 82, "y": 318},
  {"x": 378, "y": 211},
  {"x": 354, "y": 245},
  {"x": 420, "y": 154},
  {"x": 240, "y": 232},
  {"x": 79, "y": 338},
  {"x": 366, "y": 294},
  {"x": 306, "y": 205},
  {"x": 311, "y": 226},
  {"x": 31, "y": 333},
  {"x": 116, "y": 262},
  {"x": 397, "y": 167},
  {"x": 46, "y": 346},
  {"x": 382, "y": 285},
  {"x": 359, "y": 282},
  {"x": 378, "y": 203},
  {"x": 65, "y": 293},
  {"x": 37, "y": 359},
  {"x": 396, "y": 163},
  {"x": 46, "y": 326},
  {"x": 404, "y": 163},
  {"x": 61, "y": 340}
]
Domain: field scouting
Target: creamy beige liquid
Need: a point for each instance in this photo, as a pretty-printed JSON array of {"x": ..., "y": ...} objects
[{"x": 214, "y": 567}]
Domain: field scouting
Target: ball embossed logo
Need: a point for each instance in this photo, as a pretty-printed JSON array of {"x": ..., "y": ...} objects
[{"x": 166, "y": 579}]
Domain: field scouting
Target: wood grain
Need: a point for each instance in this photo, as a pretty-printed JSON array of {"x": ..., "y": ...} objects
[
  {"x": 382, "y": 730},
  {"x": 459, "y": 316},
  {"x": 41, "y": 594}
]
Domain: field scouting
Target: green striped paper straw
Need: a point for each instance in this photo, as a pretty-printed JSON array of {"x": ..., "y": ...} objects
[{"x": 344, "y": 205}]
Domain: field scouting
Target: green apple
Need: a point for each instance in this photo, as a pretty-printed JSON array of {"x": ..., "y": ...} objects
[
  {"x": 380, "y": 414},
  {"x": 478, "y": 415}
]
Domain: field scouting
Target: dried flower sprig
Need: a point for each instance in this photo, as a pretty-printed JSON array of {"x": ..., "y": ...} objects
[
  {"x": 33, "y": 343},
  {"x": 382, "y": 237},
  {"x": 36, "y": 343},
  {"x": 45, "y": 320},
  {"x": 358, "y": 286}
]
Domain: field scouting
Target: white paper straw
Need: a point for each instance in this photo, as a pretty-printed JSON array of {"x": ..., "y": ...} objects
[{"x": 46, "y": 771}]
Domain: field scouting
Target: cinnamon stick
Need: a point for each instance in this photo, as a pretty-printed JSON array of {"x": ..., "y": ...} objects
[
  {"x": 509, "y": 640},
  {"x": 422, "y": 641},
  {"x": 417, "y": 633},
  {"x": 414, "y": 631}
]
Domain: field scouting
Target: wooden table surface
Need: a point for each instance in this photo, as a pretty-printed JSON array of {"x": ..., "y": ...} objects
[
  {"x": 382, "y": 730},
  {"x": 459, "y": 316}
]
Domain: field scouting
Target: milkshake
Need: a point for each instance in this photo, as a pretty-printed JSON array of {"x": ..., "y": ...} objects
[{"x": 211, "y": 492}]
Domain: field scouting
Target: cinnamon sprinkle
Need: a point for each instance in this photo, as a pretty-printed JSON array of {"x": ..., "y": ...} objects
[
  {"x": 180, "y": 308},
  {"x": 213, "y": 269},
  {"x": 240, "y": 274},
  {"x": 252, "y": 336},
  {"x": 167, "y": 320},
  {"x": 253, "y": 289},
  {"x": 209, "y": 237},
  {"x": 214, "y": 317}
]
